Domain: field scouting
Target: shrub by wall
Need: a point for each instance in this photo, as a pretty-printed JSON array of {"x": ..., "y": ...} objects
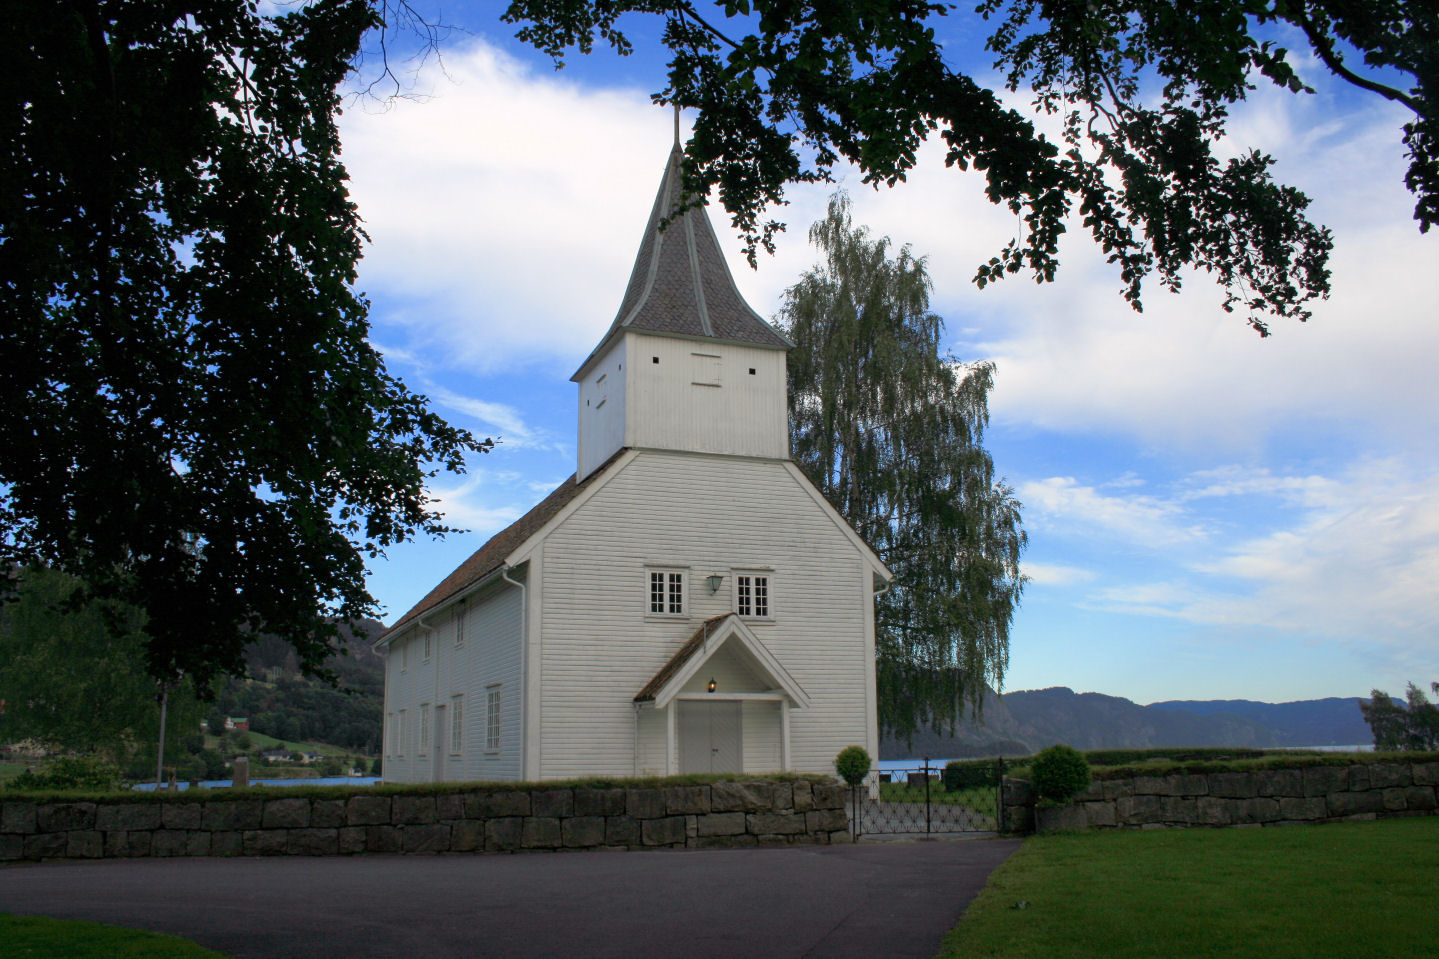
[{"x": 458, "y": 819}]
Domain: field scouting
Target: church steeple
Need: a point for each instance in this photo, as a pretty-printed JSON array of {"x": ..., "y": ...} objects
[{"x": 721, "y": 385}]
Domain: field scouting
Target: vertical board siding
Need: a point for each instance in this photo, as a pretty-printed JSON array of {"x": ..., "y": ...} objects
[
  {"x": 744, "y": 415},
  {"x": 602, "y": 410},
  {"x": 710, "y": 515},
  {"x": 761, "y": 737}
]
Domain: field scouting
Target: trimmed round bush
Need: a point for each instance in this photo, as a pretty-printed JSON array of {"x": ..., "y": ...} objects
[
  {"x": 852, "y": 764},
  {"x": 1059, "y": 773}
]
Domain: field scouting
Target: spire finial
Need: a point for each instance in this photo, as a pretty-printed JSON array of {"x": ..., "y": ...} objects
[{"x": 677, "y": 124}]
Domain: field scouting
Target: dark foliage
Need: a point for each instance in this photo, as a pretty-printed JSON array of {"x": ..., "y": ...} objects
[
  {"x": 1059, "y": 772},
  {"x": 852, "y": 764}
]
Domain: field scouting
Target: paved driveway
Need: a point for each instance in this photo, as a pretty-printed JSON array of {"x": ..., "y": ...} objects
[{"x": 869, "y": 901}]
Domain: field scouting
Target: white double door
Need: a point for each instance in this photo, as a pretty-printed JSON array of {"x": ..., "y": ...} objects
[{"x": 711, "y": 737}]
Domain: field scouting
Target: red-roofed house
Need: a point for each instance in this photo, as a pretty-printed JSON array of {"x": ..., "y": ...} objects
[{"x": 686, "y": 602}]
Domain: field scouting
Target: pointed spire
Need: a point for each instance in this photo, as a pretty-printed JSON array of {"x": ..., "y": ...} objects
[{"x": 681, "y": 284}]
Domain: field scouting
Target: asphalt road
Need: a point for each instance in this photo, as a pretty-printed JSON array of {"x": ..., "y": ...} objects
[{"x": 869, "y": 901}]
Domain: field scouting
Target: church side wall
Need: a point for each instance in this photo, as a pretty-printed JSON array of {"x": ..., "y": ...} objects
[
  {"x": 602, "y": 409},
  {"x": 704, "y": 514}
]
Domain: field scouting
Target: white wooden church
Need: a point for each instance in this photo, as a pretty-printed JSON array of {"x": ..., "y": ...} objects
[{"x": 686, "y": 602}]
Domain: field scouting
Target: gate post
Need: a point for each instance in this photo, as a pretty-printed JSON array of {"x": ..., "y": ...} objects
[
  {"x": 926, "y": 795},
  {"x": 999, "y": 794}
]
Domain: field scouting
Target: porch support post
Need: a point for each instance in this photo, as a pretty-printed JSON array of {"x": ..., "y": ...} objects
[
  {"x": 784, "y": 735},
  {"x": 671, "y": 751}
]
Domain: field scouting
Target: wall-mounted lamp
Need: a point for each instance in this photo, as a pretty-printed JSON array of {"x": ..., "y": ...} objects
[
  {"x": 712, "y": 684},
  {"x": 714, "y": 581}
]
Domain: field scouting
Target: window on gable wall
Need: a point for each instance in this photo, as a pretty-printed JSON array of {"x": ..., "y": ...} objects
[
  {"x": 492, "y": 718},
  {"x": 752, "y": 595},
  {"x": 424, "y": 729},
  {"x": 460, "y": 615},
  {"x": 457, "y": 725},
  {"x": 667, "y": 592},
  {"x": 400, "y": 735},
  {"x": 429, "y": 644}
]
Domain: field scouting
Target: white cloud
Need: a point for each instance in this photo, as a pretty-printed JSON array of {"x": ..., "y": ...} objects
[
  {"x": 1050, "y": 574},
  {"x": 465, "y": 505},
  {"x": 1146, "y": 520},
  {"x": 506, "y": 419}
]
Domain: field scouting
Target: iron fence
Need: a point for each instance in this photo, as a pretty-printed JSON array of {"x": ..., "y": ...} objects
[{"x": 915, "y": 801}]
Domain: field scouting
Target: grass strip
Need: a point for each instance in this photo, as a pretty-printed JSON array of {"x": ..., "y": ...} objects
[
  {"x": 41, "y": 936},
  {"x": 1337, "y": 890}
]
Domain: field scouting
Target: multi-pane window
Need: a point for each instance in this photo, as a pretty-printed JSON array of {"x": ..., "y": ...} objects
[
  {"x": 492, "y": 718},
  {"x": 667, "y": 592},
  {"x": 429, "y": 643},
  {"x": 404, "y": 656},
  {"x": 400, "y": 735},
  {"x": 457, "y": 725},
  {"x": 460, "y": 625},
  {"x": 424, "y": 728},
  {"x": 394, "y": 735},
  {"x": 752, "y": 595}
]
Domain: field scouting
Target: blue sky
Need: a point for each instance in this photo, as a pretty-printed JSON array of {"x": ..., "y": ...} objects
[{"x": 1211, "y": 515}]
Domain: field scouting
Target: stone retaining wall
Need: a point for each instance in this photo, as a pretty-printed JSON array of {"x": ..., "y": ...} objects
[
  {"x": 1260, "y": 797},
  {"x": 268, "y": 823}
]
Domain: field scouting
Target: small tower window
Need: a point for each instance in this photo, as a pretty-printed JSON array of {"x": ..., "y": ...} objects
[
  {"x": 751, "y": 371},
  {"x": 654, "y": 359}
]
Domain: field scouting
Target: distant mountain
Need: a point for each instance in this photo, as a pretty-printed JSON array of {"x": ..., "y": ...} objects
[{"x": 1021, "y": 723}]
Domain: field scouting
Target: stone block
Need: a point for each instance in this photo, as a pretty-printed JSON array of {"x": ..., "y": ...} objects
[
  {"x": 783, "y": 794},
  {"x": 1424, "y": 774},
  {"x": 1063, "y": 818},
  {"x": 327, "y": 813},
  {"x": 351, "y": 839},
  {"x": 169, "y": 842},
  {"x": 17, "y": 817},
  {"x": 84, "y": 844},
  {"x": 644, "y": 803},
  {"x": 1100, "y": 814},
  {"x": 44, "y": 846},
  {"x": 65, "y": 816},
  {"x": 1156, "y": 785},
  {"x": 197, "y": 843},
  {"x": 286, "y": 814},
  {"x": 1133, "y": 810},
  {"x": 226, "y": 843},
  {"x": 541, "y": 832},
  {"x": 1389, "y": 775},
  {"x": 313, "y": 842},
  {"x": 685, "y": 800},
  {"x": 774, "y": 823},
  {"x": 414, "y": 810},
  {"x": 830, "y": 795},
  {"x": 496, "y": 805},
  {"x": 622, "y": 831},
  {"x": 367, "y": 811},
  {"x": 552, "y": 803},
  {"x": 503, "y": 835},
  {"x": 127, "y": 845},
  {"x": 1233, "y": 785},
  {"x": 1306, "y": 808},
  {"x": 425, "y": 837},
  {"x": 1349, "y": 803},
  {"x": 803, "y": 795},
  {"x": 1091, "y": 793},
  {"x": 599, "y": 802},
  {"x": 773, "y": 839},
  {"x": 1323, "y": 780},
  {"x": 1180, "y": 810},
  {"x": 382, "y": 839},
  {"x": 225, "y": 815},
  {"x": 1216, "y": 811},
  {"x": 751, "y": 797},
  {"x": 1358, "y": 778},
  {"x": 1394, "y": 799},
  {"x": 580, "y": 832},
  {"x": 1419, "y": 798},
  {"x": 722, "y": 842},
  {"x": 825, "y": 820},
  {"x": 12, "y": 847},
  {"x": 1260, "y": 809},
  {"x": 174, "y": 815},
  {"x": 668, "y": 831},
  {"x": 722, "y": 824},
  {"x": 450, "y": 806},
  {"x": 265, "y": 842},
  {"x": 1278, "y": 782},
  {"x": 1111, "y": 789},
  {"x": 466, "y": 835},
  {"x": 128, "y": 816}
]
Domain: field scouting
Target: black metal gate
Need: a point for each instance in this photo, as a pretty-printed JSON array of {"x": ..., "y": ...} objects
[{"x": 917, "y": 802}]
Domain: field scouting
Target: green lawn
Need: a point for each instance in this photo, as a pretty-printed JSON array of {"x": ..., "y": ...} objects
[
  {"x": 39, "y": 936},
  {"x": 981, "y": 799},
  {"x": 9, "y": 771},
  {"x": 1340, "y": 890}
]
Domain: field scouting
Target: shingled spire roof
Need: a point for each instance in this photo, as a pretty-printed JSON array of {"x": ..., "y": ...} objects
[{"x": 680, "y": 284}]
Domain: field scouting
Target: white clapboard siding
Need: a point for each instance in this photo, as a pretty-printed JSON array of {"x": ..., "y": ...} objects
[
  {"x": 602, "y": 409},
  {"x": 706, "y": 514}
]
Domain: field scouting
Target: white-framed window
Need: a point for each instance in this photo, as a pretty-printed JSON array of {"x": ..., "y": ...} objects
[
  {"x": 461, "y": 612},
  {"x": 666, "y": 592},
  {"x": 429, "y": 644},
  {"x": 424, "y": 729},
  {"x": 394, "y": 737},
  {"x": 405, "y": 656},
  {"x": 752, "y": 594},
  {"x": 457, "y": 725},
  {"x": 492, "y": 718},
  {"x": 400, "y": 734}
]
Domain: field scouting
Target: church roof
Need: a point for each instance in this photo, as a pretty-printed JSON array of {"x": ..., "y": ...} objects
[{"x": 681, "y": 284}]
